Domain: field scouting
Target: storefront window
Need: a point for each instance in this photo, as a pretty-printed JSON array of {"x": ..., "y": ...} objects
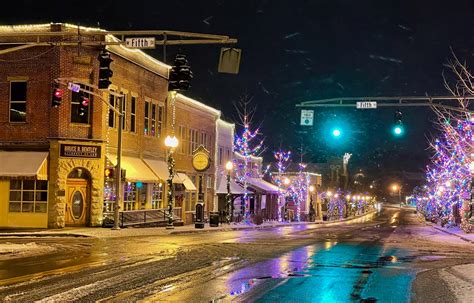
[
  {"x": 28, "y": 196},
  {"x": 130, "y": 196},
  {"x": 109, "y": 195},
  {"x": 156, "y": 195}
]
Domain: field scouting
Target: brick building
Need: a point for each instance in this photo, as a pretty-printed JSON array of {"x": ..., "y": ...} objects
[{"x": 52, "y": 160}]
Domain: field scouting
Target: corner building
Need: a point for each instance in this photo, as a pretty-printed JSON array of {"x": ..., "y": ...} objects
[{"x": 52, "y": 160}]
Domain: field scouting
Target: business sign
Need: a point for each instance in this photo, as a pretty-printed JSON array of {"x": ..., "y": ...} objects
[
  {"x": 307, "y": 116},
  {"x": 79, "y": 151},
  {"x": 140, "y": 42},
  {"x": 366, "y": 105}
]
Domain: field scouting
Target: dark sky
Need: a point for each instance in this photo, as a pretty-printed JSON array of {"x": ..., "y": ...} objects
[{"x": 302, "y": 50}]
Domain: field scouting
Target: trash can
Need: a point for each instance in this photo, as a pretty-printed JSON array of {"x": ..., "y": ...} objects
[{"x": 214, "y": 219}]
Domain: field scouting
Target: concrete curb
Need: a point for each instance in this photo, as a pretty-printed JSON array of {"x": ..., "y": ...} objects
[
  {"x": 232, "y": 228},
  {"x": 59, "y": 233},
  {"x": 450, "y": 233},
  {"x": 43, "y": 235}
]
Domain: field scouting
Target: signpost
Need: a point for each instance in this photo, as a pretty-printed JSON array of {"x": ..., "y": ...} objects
[
  {"x": 366, "y": 105},
  {"x": 307, "y": 117},
  {"x": 140, "y": 42}
]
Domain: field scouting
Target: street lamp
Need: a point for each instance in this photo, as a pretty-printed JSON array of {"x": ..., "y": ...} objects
[
  {"x": 229, "y": 166},
  {"x": 171, "y": 142},
  {"x": 395, "y": 188}
]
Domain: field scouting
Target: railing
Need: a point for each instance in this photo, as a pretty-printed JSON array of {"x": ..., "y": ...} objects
[{"x": 145, "y": 216}]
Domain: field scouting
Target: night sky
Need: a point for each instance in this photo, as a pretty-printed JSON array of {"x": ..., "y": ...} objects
[{"x": 304, "y": 50}]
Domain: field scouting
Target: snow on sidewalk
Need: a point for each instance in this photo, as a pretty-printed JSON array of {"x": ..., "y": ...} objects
[
  {"x": 460, "y": 279},
  {"x": 20, "y": 250}
]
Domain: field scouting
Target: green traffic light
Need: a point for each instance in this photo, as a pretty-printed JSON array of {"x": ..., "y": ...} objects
[
  {"x": 336, "y": 133},
  {"x": 398, "y": 130}
]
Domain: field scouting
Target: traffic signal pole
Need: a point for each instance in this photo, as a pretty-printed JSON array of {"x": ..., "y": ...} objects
[{"x": 118, "y": 180}]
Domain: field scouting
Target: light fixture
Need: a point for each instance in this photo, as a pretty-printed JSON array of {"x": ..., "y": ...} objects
[
  {"x": 229, "y": 165},
  {"x": 171, "y": 142}
]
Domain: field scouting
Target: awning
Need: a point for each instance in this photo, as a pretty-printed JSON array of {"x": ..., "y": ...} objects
[
  {"x": 159, "y": 167},
  {"x": 185, "y": 180},
  {"x": 24, "y": 164},
  {"x": 262, "y": 185},
  {"x": 136, "y": 170},
  {"x": 235, "y": 188}
]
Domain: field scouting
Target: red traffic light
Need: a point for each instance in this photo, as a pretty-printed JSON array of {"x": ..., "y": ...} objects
[
  {"x": 58, "y": 93},
  {"x": 85, "y": 101}
]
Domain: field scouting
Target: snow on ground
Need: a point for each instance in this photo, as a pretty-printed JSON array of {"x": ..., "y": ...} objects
[
  {"x": 460, "y": 279},
  {"x": 20, "y": 250}
]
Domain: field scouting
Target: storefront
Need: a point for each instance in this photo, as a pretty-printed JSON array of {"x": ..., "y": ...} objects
[
  {"x": 23, "y": 189},
  {"x": 266, "y": 198},
  {"x": 183, "y": 188},
  {"x": 236, "y": 191}
]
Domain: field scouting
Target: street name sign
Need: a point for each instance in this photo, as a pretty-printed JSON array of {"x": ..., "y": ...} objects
[
  {"x": 74, "y": 87},
  {"x": 307, "y": 116},
  {"x": 366, "y": 105},
  {"x": 140, "y": 42}
]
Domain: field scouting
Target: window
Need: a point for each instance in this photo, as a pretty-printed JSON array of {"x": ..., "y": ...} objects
[
  {"x": 133, "y": 113},
  {"x": 18, "y": 101},
  {"x": 124, "y": 109},
  {"x": 182, "y": 139},
  {"x": 146, "y": 127},
  {"x": 219, "y": 155},
  {"x": 130, "y": 196},
  {"x": 203, "y": 140},
  {"x": 193, "y": 140},
  {"x": 111, "y": 111},
  {"x": 109, "y": 195},
  {"x": 28, "y": 196},
  {"x": 76, "y": 104},
  {"x": 159, "y": 128},
  {"x": 209, "y": 181},
  {"x": 156, "y": 195},
  {"x": 153, "y": 119}
]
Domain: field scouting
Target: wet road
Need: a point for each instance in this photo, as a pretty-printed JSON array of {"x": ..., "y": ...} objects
[{"x": 372, "y": 259}]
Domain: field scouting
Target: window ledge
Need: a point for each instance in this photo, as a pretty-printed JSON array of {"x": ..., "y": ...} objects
[{"x": 79, "y": 125}]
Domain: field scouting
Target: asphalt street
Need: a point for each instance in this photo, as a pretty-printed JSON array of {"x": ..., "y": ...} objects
[{"x": 380, "y": 258}]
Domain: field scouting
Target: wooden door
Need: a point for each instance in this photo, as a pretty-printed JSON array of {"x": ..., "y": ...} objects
[{"x": 77, "y": 205}]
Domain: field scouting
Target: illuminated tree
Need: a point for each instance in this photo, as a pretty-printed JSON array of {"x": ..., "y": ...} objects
[{"x": 248, "y": 145}]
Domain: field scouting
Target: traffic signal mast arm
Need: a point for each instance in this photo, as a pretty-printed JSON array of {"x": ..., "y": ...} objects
[
  {"x": 393, "y": 101},
  {"x": 37, "y": 38}
]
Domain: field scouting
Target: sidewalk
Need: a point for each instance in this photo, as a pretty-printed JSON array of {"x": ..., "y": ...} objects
[
  {"x": 100, "y": 232},
  {"x": 454, "y": 231}
]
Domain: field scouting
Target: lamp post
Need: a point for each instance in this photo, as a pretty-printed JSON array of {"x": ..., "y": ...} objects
[
  {"x": 171, "y": 142},
  {"x": 229, "y": 166},
  {"x": 395, "y": 188}
]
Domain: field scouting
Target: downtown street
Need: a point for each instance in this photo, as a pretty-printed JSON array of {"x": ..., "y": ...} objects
[{"x": 387, "y": 257}]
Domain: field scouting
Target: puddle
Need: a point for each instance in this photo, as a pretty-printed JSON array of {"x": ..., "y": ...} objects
[{"x": 325, "y": 272}]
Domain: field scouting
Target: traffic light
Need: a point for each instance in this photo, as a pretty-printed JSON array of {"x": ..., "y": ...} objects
[
  {"x": 105, "y": 73},
  {"x": 336, "y": 132},
  {"x": 398, "y": 124},
  {"x": 57, "y": 96},
  {"x": 109, "y": 172},
  {"x": 84, "y": 106},
  {"x": 180, "y": 74}
]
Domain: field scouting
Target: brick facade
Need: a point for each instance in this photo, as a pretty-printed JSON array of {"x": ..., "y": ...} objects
[{"x": 139, "y": 77}]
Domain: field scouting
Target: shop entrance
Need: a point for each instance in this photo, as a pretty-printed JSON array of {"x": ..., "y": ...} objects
[{"x": 77, "y": 203}]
